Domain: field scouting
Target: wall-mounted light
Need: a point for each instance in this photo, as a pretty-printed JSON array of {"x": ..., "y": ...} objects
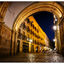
[
  {"x": 56, "y": 20},
  {"x": 54, "y": 27},
  {"x": 54, "y": 40},
  {"x": 54, "y": 16},
  {"x": 27, "y": 39},
  {"x": 30, "y": 40}
]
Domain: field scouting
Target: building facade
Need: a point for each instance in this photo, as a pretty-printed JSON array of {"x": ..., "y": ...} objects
[{"x": 31, "y": 38}]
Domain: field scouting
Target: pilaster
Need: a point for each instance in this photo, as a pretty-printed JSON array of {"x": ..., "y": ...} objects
[
  {"x": 13, "y": 49},
  {"x": 62, "y": 35},
  {"x": 29, "y": 47},
  {"x": 1, "y": 24},
  {"x": 21, "y": 46}
]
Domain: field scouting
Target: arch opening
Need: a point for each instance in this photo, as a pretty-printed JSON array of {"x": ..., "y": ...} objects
[
  {"x": 52, "y": 7},
  {"x": 40, "y": 7}
]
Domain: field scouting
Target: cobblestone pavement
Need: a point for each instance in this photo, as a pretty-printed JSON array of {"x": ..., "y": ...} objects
[{"x": 34, "y": 57}]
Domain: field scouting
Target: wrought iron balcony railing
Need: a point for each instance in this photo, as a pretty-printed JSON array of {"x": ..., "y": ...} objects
[
  {"x": 24, "y": 37},
  {"x": 29, "y": 31},
  {"x": 20, "y": 35},
  {"x": 25, "y": 27}
]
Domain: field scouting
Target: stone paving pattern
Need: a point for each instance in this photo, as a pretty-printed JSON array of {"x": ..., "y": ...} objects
[{"x": 33, "y": 57}]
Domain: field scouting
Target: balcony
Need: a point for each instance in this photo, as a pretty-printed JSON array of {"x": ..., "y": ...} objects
[
  {"x": 19, "y": 35},
  {"x": 31, "y": 24},
  {"x": 24, "y": 37},
  {"x": 25, "y": 27},
  {"x": 28, "y": 22},
  {"x": 28, "y": 30}
]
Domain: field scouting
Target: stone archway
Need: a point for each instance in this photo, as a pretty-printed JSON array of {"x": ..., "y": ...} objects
[
  {"x": 41, "y": 6},
  {"x": 52, "y": 7}
]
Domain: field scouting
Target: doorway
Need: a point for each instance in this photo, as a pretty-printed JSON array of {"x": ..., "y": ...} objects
[
  {"x": 37, "y": 49},
  {"x": 32, "y": 48},
  {"x": 18, "y": 46},
  {"x": 25, "y": 47}
]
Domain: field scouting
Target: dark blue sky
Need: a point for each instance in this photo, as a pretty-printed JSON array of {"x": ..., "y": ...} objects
[{"x": 45, "y": 20}]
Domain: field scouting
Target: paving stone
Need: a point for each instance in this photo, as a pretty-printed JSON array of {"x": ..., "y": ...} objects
[{"x": 30, "y": 57}]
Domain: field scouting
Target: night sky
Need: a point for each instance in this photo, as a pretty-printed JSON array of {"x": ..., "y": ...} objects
[{"x": 45, "y": 20}]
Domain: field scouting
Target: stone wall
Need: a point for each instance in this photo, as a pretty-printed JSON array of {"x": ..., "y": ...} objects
[
  {"x": 62, "y": 35},
  {"x": 5, "y": 41}
]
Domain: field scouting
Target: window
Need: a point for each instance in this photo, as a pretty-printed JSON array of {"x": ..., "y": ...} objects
[
  {"x": 31, "y": 31},
  {"x": 33, "y": 26},
  {"x": 28, "y": 28},
  {"x": 28, "y": 21},
  {"x": 23, "y": 25},
  {"x": 41, "y": 39},
  {"x": 19, "y": 32},
  {"x": 31, "y": 23}
]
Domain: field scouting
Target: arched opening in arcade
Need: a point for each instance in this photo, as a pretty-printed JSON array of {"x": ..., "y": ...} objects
[{"x": 29, "y": 38}]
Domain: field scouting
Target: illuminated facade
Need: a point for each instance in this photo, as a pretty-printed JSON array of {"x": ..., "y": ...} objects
[{"x": 31, "y": 35}]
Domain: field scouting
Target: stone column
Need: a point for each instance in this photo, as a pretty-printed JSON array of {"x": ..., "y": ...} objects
[
  {"x": 12, "y": 43},
  {"x": 29, "y": 47},
  {"x": 21, "y": 46},
  {"x": 15, "y": 43},
  {"x": 13, "y": 48},
  {"x": 1, "y": 24},
  {"x": 58, "y": 37},
  {"x": 57, "y": 41},
  {"x": 62, "y": 36}
]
